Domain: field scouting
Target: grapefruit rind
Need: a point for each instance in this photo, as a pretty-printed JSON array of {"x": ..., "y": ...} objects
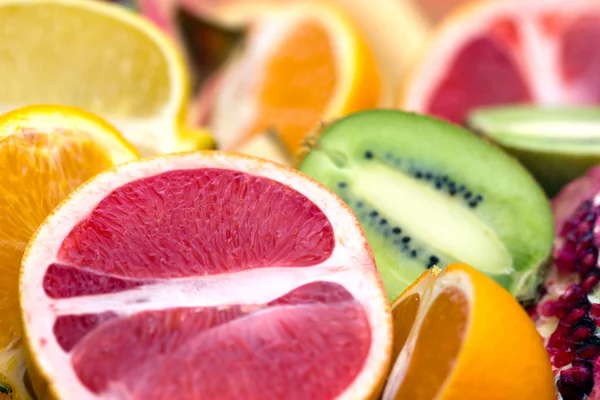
[
  {"x": 351, "y": 249},
  {"x": 477, "y": 18}
]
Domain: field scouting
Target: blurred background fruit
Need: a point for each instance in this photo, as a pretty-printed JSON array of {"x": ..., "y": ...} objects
[
  {"x": 503, "y": 52},
  {"x": 100, "y": 57},
  {"x": 255, "y": 85},
  {"x": 557, "y": 144}
]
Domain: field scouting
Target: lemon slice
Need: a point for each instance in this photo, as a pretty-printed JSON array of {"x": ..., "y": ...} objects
[{"x": 100, "y": 57}]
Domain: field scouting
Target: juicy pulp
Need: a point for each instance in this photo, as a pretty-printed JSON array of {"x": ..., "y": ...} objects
[{"x": 425, "y": 191}]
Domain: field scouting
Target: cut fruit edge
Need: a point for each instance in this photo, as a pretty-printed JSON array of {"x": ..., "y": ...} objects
[
  {"x": 556, "y": 129},
  {"x": 51, "y": 120},
  {"x": 173, "y": 116},
  {"x": 428, "y": 287},
  {"x": 12, "y": 371},
  {"x": 473, "y": 19},
  {"x": 351, "y": 265},
  {"x": 263, "y": 42}
]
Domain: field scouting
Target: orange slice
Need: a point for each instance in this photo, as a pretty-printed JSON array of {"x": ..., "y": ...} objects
[
  {"x": 45, "y": 153},
  {"x": 460, "y": 336},
  {"x": 506, "y": 52},
  {"x": 202, "y": 276},
  {"x": 303, "y": 63}
]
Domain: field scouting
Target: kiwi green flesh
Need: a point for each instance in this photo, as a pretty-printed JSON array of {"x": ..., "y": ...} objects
[
  {"x": 556, "y": 145},
  {"x": 565, "y": 130},
  {"x": 429, "y": 193}
]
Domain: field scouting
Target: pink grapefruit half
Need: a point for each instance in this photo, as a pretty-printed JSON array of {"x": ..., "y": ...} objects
[
  {"x": 202, "y": 276},
  {"x": 508, "y": 52}
]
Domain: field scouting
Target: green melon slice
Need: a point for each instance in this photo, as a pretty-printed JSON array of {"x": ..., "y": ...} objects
[{"x": 430, "y": 193}]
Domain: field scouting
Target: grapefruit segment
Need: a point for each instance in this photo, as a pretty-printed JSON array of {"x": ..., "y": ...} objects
[
  {"x": 205, "y": 275},
  {"x": 509, "y": 52}
]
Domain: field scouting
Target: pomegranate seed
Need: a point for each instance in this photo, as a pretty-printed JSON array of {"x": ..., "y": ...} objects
[
  {"x": 569, "y": 392},
  {"x": 567, "y": 227},
  {"x": 573, "y": 294},
  {"x": 582, "y": 332},
  {"x": 595, "y": 311},
  {"x": 558, "y": 338},
  {"x": 589, "y": 283},
  {"x": 563, "y": 357},
  {"x": 552, "y": 308},
  {"x": 585, "y": 241},
  {"x": 579, "y": 376},
  {"x": 574, "y": 316},
  {"x": 586, "y": 225},
  {"x": 587, "y": 352}
]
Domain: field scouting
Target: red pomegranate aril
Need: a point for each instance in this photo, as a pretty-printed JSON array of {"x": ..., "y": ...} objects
[
  {"x": 588, "y": 352},
  {"x": 589, "y": 283},
  {"x": 595, "y": 311},
  {"x": 583, "y": 332},
  {"x": 579, "y": 376},
  {"x": 584, "y": 243},
  {"x": 559, "y": 338},
  {"x": 563, "y": 357},
  {"x": 555, "y": 308},
  {"x": 574, "y": 316},
  {"x": 573, "y": 294},
  {"x": 569, "y": 392}
]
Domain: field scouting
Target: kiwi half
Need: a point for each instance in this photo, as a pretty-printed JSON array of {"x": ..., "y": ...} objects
[
  {"x": 555, "y": 144},
  {"x": 430, "y": 193}
]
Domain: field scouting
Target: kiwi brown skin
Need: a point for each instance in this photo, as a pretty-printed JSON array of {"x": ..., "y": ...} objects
[{"x": 536, "y": 265}]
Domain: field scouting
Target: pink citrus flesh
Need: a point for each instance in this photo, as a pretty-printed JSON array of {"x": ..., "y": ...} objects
[
  {"x": 492, "y": 53},
  {"x": 204, "y": 276}
]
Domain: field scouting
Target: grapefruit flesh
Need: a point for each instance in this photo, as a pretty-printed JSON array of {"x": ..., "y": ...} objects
[
  {"x": 205, "y": 283},
  {"x": 510, "y": 53}
]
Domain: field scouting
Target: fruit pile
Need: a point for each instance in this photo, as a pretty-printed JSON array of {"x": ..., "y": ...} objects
[{"x": 299, "y": 199}]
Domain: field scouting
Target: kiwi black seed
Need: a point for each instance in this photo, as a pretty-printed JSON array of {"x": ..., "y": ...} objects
[{"x": 429, "y": 193}]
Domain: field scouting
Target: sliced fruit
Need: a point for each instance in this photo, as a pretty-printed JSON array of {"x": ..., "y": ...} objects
[
  {"x": 430, "y": 193},
  {"x": 45, "y": 153},
  {"x": 120, "y": 67},
  {"x": 12, "y": 372},
  {"x": 303, "y": 64},
  {"x": 556, "y": 144},
  {"x": 568, "y": 315},
  {"x": 505, "y": 52},
  {"x": 256, "y": 276},
  {"x": 573, "y": 194},
  {"x": 393, "y": 29},
  {"x": 488, "y": 347}
]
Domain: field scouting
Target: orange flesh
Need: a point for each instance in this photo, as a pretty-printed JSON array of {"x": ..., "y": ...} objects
[
  {"x": 439, "y": 342},
  {"x": 299, "y": 80},
  {"x": 38, "y": 171},
  {"x": 404, "y": 315}
]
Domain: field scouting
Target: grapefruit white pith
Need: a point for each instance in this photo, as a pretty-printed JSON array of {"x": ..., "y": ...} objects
[{"x": 195, "y": 275}]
